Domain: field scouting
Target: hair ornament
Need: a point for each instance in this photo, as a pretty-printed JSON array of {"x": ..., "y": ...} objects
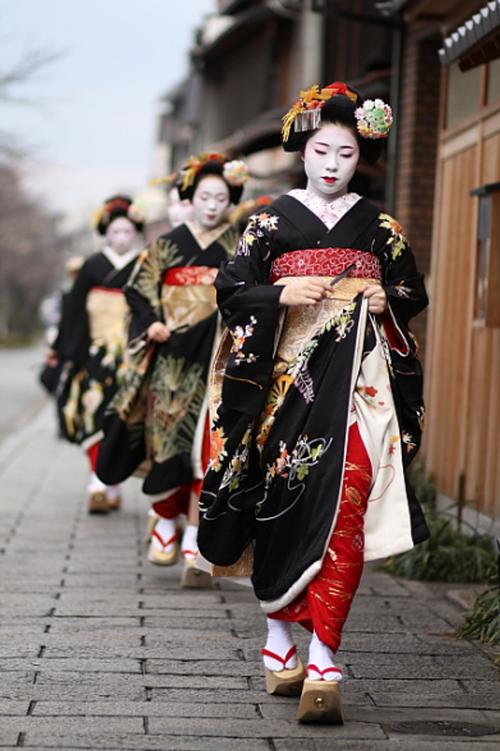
[
  {"x": 168, "y": 180},
  {"x": 305, "y": 114},
  {"x": 236, "y": 172},
  {"x": 195, "y": 163},
  {"x": 373, "y": 119},
  {"x": 136, "y": 214}
]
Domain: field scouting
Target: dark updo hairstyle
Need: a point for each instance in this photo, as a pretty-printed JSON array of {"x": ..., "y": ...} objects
[
  {"x": 114, "y": 208},
  {"x": 339, "y": 109},
  {"x": 214, "y": 166}
]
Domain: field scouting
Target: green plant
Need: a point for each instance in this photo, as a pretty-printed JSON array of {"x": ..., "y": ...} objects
[
  {"x": 448, "y": 555},
  {"x": 483, "y": 621},
  {"x": 424, "y": 485}
]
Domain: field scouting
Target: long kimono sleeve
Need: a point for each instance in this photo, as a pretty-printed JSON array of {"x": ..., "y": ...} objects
[
  {"x": 143, "y": 290},
  {"x": 403, "y": 283},
  {"x": 74, "y": 338},
  {"x": 250, "y": 308},
  {"x": 406, "y": 297}
]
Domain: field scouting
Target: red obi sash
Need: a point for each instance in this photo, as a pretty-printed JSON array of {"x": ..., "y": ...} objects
[
  {"x": 184, "y": 275},
  {"x": 116, "y": 290},
  {"x": 325, "y": 262}
]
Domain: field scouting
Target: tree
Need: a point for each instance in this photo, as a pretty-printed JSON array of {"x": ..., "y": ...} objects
[{"x": 30, "y": 256}]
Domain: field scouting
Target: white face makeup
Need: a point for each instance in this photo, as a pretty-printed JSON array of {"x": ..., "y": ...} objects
[
  {"x": 210, "y": 201},
  {"x": 121, "y": 235},
  {"x": 330, "y": 160},
  {"x": 178, "y": 211}
]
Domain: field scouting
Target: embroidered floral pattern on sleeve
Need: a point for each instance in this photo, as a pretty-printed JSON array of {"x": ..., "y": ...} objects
[
  {"x": 218, "y": 452},
  {"x": 236, "y": 469},
  {"x": 240, "y": 334},
  {"x": 397, "y": 240},
  {"x": 255, "y": 230}
]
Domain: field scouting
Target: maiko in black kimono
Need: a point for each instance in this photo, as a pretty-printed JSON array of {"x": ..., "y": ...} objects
[
  {"x": 288, "y": 384},
  {"x": 92, "y": 344},
  {"x": 157, "y": 413}
]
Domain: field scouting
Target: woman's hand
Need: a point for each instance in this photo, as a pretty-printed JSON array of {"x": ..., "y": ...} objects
[
  {"x": 52, "y": 359},
  {"x": 304, "y": 290},
  {"x": 377, "y": 299},
  {"x": 158, "y": 332}
]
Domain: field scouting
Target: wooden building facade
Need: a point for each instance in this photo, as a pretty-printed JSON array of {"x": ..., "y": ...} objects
[{"x": 462, "y": 447}]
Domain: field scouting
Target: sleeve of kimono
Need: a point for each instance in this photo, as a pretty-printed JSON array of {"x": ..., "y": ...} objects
[
  {"x": 403, "y": 283},
  {"x": 74, "y": 338},
  {"x": 143, "y": 289},
  {"x": 250, "y": 307}
]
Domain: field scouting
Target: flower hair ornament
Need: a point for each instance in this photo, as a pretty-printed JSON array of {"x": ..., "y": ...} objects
[
  {"x": 194, "y": 164},
  {"x": 305, "y": 114},
  {"x": 373, "y": 119},
  {"x": 120, "y": 206},
  {"x": 236, "y": 173},
  {"x": 167, "y": 180}
]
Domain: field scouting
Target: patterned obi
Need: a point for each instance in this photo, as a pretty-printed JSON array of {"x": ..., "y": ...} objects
[
  {"x": 326, "y": 262},
  {"x": 190, "y": 275},
  {"x": 188, "y": 295},
  {"x": 107, "y": 311}
]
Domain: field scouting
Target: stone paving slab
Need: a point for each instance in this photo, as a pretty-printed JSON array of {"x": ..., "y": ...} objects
[
  {"x": 100, "y": 650},
  {"x": 128, "y": 742}
]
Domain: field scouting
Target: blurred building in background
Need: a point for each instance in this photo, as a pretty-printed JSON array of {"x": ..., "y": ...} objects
[{"x": 438, "y": 63}]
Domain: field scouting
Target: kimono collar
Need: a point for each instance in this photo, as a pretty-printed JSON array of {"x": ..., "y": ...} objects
[
  {"x": 205, "y": 237},
  {"x": 120, "y": 260},
  {"x": 346, "y": 232},
  {"x": 330, "y": 212}
]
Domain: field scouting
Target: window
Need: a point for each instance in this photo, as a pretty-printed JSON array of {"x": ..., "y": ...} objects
[
  {"x": 463, "y": 95},
  {"x": 493, "y": 94},
  {"x": 487, "y": 300}
]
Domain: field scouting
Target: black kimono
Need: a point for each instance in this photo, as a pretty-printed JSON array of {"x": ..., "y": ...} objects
[
  {"x": 92, "y": 343},
  {"x": 287, "y": 384},
  {"x": 157, "y": 418}
]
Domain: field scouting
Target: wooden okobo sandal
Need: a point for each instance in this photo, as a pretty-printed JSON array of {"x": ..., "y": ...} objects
[
  {"x": 286, "y": 682},
  {"x": 98, "y": 503},
  {"x": 163, "y": 557},
  {"x": 321, "y": 700},
  {"x": 193, "y": 577}
]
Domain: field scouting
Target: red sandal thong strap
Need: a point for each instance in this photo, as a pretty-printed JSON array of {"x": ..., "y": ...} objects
[
  {"x": 186, "y": 551},
  {"x": 322, "y": 673},
  {"x": 291, "y": 652},
  {"x": 162, "y": 542}
]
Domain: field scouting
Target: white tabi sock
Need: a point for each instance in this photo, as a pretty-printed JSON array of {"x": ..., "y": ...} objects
[
  {"x": 165, "y": 528},
  {"x": 113, "y": 492},
  {"x": 279, "y": 641},
  {"x": 321, "y": 656},
  {"x": 189, "y": 546},
  {"x": 95, "y": 485}
]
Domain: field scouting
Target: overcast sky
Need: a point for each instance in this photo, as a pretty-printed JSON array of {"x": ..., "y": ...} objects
[{"x": 94, "y": 130}]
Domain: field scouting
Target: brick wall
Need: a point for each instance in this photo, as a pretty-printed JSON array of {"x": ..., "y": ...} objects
[{"x": 417, "y": 149}]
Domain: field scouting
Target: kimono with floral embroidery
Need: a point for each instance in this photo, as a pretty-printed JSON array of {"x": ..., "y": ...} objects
[
  {"x": 288, "y": 382},
  {"x": 92, "y": 344},
  {"x": 152, "y": 421}
]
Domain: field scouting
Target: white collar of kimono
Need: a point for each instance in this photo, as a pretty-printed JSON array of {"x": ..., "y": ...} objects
[
  {"x": 330, "y": 212},
  {"x": 205, "y": 237},
  {"x": 119, "y": 261}
]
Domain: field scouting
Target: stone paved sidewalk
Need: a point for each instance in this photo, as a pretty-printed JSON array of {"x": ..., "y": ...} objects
[{"x": 100, "y": 650}]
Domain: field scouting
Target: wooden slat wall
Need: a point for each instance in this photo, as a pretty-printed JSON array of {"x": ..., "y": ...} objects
[
  {"x": 483, "y": 445},
  {"x": 447, "y": 354},
  {"x": 463, "y": 358}
]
